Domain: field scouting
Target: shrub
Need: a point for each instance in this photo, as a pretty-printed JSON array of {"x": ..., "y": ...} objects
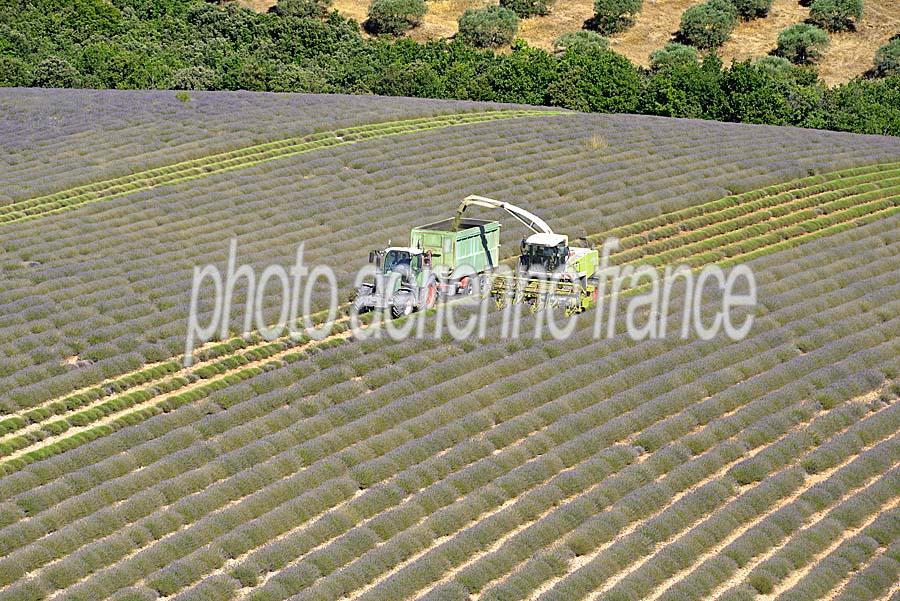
[
  {"x": 752, "y": 9},
  {"x": 887, "y": 59},
  {"x": 528, "y": 8},
  {"x": 55, "y": 72},
  {"x": 774, "y": 65},
  {"x": 836, "y": 15},
  {"x": 489, "y": 27},
  {"x": 579, "y": 41},
  {"x": 708, "y": 25},
  {"x": 673, "y": 55},
  {"x": 303, "y": 8},
  {"x": 763, "y": 582},
  {"x": 394, "y": 16},
  {"x": 612, "y": 16},
  {"x": 802, "y": 43}
]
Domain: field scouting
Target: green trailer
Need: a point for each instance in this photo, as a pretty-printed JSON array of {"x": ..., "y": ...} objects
[
  {"x": 442, "y": 259},
  {"x": 475, "y": 244}
]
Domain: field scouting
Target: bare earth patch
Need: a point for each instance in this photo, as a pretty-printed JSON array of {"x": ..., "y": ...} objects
[
  {"x": 656, "y": 25},
  {"x": 849, "y": 55},
  {"x": 759, "y": 36}
]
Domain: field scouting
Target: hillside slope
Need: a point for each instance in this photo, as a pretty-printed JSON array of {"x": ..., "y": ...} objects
[
  {"x": 490, "y": 468},
  {"x": 849, "y": 55}
]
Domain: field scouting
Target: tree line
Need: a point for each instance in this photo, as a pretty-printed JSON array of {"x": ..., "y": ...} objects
[{"x": 195, "y": 45}]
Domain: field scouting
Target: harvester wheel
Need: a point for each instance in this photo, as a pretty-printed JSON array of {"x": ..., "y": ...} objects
[{"x": 499, "y": 293}]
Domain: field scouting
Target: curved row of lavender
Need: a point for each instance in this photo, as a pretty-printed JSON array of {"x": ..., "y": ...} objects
[
  {"x": 456, "y": 468},
  {"x": 110, "y": 282},
  {"x": 51, "y": 139}
]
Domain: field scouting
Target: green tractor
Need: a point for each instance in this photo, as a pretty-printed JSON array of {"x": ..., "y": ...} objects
[
  {"x": 443, "y": 259},
  {"x": 403, "y": 282}
]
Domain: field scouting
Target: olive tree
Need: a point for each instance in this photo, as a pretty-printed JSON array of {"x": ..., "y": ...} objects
[
  {"x": 673, "y": 55},
  {"x": 528, "y": 8},
  {"x": 708, "y": 25},
  {"x": 489, "y": 27},
  {"x": 836, "y": 15},
  {"x": 752, "y": 9},
  {"x": 579, "y": 41},
  {"x": 302, "y": 8},
  {"x": 887, "y": 59},
  {"x": 394, "y": 17},
  {"x": 613, "y": 16},
  {"x": 802, "y": 43}
]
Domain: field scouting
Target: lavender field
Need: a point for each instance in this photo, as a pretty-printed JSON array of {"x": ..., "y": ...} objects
[{"x": 491, "y": 469}]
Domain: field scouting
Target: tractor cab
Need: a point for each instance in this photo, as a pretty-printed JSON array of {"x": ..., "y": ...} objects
[
  {"x": 403, "y": 281},
  {"x": 406, "y": 262}
]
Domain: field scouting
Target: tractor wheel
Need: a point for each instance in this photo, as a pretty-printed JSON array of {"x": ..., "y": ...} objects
[
  {"x": 357, "y": 302},
  {"x": 402, "y": 305},
  {"x": 477, "y": 286},
  {"x": 359, "y": 306}
]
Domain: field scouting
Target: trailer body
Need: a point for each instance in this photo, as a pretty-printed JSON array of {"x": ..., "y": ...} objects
[
  {"x": 473, "y": 248},
  {"x": 439, "y": 261}
]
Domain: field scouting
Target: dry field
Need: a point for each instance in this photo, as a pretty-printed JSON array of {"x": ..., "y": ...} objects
[{"x": 849, "y": 56}]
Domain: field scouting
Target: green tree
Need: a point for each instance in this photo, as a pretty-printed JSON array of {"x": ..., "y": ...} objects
[
  {"x": 708, "y": 25},
  {"x": 887, "y": 58},
  {"x": 688, "y": 89},
  {"x": 195, "y": 77},
  {"x": 613, "y": 16},
  {"x": 836, "y": 15},
  {"x": 489, "y": 27},
  {"x": 521, "y": 76},
  {"x": 775, "y": 65},
  {"x": 394, "y": 17},
  {"x": 865, "y": 106},
  {"x": 55, "y": 72},
  {"x": 14, "y": 72},
  {"x": 303, "y": 8},
  {"x": 673, "y": 54},
  {"x": 292, "y": 77},
  {"x": 529, "y": 8},
  {"x": 579, "y": 41},
  {"x": 596, "y": 80},
  {"x": 802, "y": 43},
  {"x": 752, "y": 9},
  {"x": 756, "y": 95}
]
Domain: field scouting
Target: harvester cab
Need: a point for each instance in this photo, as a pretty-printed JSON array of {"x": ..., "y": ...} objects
[
  {"x": 543, "y": 254},
  {"x": 550, "y": 256}
]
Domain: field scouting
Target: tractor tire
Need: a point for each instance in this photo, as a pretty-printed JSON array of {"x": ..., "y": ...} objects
[
  {"x": 358, "y": 306},
  {"x": 357, "y": 302},
  {"x": 472, "y": 285},
  {"x": 401, "y": 305}
]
